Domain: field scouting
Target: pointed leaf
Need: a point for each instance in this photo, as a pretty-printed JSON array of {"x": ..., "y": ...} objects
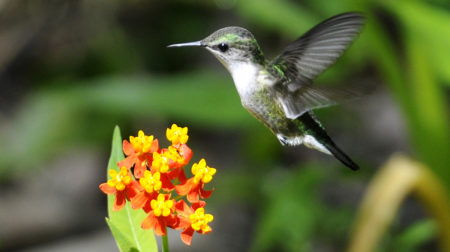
[
  {"x": 125, "y": 224},
  {"x": 121, "y": 239}
]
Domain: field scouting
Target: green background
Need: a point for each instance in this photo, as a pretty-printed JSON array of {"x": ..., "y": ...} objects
[{"x": 72, "y": 70}]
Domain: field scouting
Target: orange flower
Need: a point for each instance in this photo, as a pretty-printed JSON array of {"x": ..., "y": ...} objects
[
  {"x": 177, "y": 157},
  {"x": 122, "y": 185},
  {"x": 184, "y": 153},
  {"x": 155, "y": 173},
  {"x": 193, "y": 187},
  {"x": 192, "y": 219},
  {"x": 160, "y": 215},
  {"x": 139, "y": 153},
  {"x": 150, "y": 184}
]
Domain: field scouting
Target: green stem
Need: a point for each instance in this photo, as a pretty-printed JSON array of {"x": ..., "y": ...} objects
[
  {"x": 165, "y": 242},
  {"x": 178, "y": 197}
]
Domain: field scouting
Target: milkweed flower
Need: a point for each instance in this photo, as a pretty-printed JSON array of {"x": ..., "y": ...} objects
[
  {"x": 160, "y": 162},
  {"x": 139, "y": 152},
  {"x": 192, "y": 219},
  {"x": 184, "y": 152},
  {"x": 157, "y": 174},
  {"x": 121, "y": 185},
  {"x": 194, "y": 187},
  {"x": 150, "y": 185},
  {"x": 160, "y": 215},
  {"x": 177, "y": 134}
]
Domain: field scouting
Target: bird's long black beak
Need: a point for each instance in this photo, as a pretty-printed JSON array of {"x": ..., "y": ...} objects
[{"x": 196, "y": 43}]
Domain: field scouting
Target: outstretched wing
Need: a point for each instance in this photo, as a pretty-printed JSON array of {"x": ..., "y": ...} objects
[{"x": 308, "y": 56}]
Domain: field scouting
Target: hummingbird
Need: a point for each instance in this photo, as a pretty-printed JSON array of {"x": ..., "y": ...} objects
[{"x": 280, "y": 92}]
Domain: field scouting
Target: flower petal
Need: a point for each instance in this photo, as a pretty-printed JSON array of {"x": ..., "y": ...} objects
[
  {"x": 183, "y": 213},
  {"x": 184, "y": 189},
  {"x": 160, "y": 227},
  {"x": 107, "y": 188},
  {"x": 186, "y": 236},
  {"x": 172, "y": 222},
  {"x": 182, "y": 176},
  {"x": 127, "y": 148},
  {"x": 139, "y": 168},
  {"x": 128, "y": 161},
  {"x": 139, "y": 200},
  {"x": 149, "y": 221},
  {"x": 182, "y": 208},
  {"x": 147, "y": 207},
  {"x": 166, "y": 183},
  {"x": 185, "y": 152},
  {"x": 205, "y": 194},
  {"x": 193, "y": 196},
  {"x": 198, "y": 204},
  {"x": 133, "y": 189},
  {"x": 119, "y": 201},
  {"x": 155, "y": 146},
  {"x": 206, "y": 229}
]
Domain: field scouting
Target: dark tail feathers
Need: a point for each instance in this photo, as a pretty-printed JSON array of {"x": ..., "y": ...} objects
[
  {"x": 340, "y": 155},
  {"x": 320, "y": 134}
]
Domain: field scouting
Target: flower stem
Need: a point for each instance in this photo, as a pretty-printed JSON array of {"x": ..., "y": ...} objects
[{"x": 165, "y": 242}]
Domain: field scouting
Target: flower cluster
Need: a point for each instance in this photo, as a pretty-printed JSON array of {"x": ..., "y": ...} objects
[{"x": 149, "y": 175}]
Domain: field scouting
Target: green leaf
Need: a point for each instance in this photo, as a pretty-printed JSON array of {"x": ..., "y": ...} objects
[
  {"x": 121, "y": 239},
  {"x": 125, "y": 224},
  {"x": 428, "y": 99},
  {"x": 417, "y": 17},
  {"x": 417, "y": 234},
  {"x": 418, "y": 94}
]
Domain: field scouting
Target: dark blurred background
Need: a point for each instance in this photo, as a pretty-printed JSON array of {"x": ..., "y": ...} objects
[{"x": 72, "y": 70}]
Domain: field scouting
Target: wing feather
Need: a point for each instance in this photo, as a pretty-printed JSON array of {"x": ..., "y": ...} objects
[{"x": 308, "y": 56}]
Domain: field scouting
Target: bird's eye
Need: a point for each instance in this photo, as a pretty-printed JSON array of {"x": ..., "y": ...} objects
[{"x": 223, "y": 47}]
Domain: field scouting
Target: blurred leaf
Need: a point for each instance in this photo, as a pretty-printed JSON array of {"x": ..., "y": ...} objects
[
  {"x": 418, "y": 95},
  {"x": 417, "y": 234},
  {"x": 290, "y": 212},
  {"x": 428, "y": 26},
  {"x": 54, "y": 118},
  {"x": 398, "y": 178},
  {"x": 283, "y": 16},
  {"x": 432, "y": 135},
  {"x": 240, "y": 186},
  {"x": 125, "y": 224}
]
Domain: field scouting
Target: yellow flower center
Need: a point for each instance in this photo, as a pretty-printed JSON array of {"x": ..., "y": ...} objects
[
  {"x": 151, "y": 182},
  {"x": 160, "y": 163},
  {"x": 161, "y": 206},
  {"x": 119, "y": 180},
  {"x": 200, "y": 220},
  {"x": 202, "y": 172},
  {"x": 177, "y": 134},
  {"x": 141, "y": 143},
  {"x": 173, "y": 154}
]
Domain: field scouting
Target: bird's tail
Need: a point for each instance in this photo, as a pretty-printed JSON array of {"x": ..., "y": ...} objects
[
  {"x": 340, "y": 155},
  {"x": 316, "y": 137}
]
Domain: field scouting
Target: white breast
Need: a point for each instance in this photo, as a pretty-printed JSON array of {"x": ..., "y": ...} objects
[{"x": 244, "y": 77}]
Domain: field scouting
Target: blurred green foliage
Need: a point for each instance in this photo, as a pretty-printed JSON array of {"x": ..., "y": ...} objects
[{"x": 120, "y": 73}]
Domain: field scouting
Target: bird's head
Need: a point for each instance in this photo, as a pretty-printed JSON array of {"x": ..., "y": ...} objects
[{"x": 231, "y": 46}]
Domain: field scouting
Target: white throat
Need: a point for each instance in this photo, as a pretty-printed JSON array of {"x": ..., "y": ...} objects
[{"x": 244, "y": 76}]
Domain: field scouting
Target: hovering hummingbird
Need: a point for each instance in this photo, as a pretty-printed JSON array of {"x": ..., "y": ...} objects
[{"x": 280, "y": 92}]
